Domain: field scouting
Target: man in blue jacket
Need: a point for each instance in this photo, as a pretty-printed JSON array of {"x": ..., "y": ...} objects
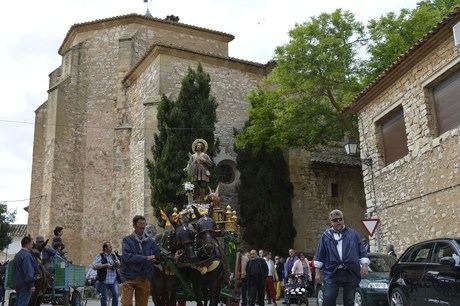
[
  {"x": 139, "y": 254},
  {"x": 24, "y": 272},
  {"x": 288, "y": 264},
  {"x": 341, "y": 259}
]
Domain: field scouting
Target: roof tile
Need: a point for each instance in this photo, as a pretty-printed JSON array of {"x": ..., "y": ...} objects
[{"x": 18, "y": 230}]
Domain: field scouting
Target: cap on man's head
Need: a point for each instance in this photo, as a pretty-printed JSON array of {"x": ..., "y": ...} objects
[
  {"x": 335, "y": 214},
  {"x": 40, "y": 238}
]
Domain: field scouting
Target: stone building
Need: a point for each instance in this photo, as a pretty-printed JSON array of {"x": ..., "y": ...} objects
[
  {"x": 324, "y": 179},
  {"x": 94, "y": 132},
  {"x": 409, "y": 121}
]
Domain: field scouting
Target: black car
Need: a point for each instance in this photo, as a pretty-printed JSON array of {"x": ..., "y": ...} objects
[{"x": 427, "y": 273}]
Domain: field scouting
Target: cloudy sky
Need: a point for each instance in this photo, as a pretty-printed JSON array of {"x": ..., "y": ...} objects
[{"x": 33, "y": 30}]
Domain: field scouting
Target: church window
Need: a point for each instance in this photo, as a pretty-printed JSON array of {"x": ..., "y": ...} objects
[{"x": 226, "y": 172}]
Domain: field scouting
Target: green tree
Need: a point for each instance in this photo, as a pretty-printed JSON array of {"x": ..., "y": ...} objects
[
  {"x": 180, "y": 122},
  {"x": 5, "y": 219},
  {"x": 264, "y": 197},
  {"x": 394, "y": 33},
  {"x": 316, "y": 77}
]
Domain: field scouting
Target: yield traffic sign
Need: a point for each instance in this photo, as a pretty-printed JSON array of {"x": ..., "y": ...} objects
[{"x": 370, "y": 225}]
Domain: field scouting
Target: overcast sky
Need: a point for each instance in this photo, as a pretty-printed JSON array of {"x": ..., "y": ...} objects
[{"x": 32, "y": 31}]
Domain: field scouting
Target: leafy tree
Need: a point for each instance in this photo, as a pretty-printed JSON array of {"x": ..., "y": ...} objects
[
  {"x": 191, "y": 116},
  {"x": 394, "y": 33},
  {"x": 264, "y": 197},
  {"x": 316, "y": 76},
  {"x": 5, "y": 219}
]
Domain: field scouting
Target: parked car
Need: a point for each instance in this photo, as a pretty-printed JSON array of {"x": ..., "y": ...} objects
[
  {"x": 373, "y": 288},
  {"x": 427, "y": 273}
]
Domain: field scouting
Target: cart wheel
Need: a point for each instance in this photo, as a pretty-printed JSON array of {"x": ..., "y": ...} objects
[
  {"x": 12, "y": 299},
  {"x": 66, "y": 298},
  {"x": 76, "y": 298}
]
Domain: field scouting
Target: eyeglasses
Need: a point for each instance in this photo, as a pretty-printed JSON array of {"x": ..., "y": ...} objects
[{"x": 337, "y": 220}]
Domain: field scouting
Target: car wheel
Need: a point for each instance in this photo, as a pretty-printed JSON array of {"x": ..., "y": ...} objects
[
  {"x": 398, "y": 298},
  {"x": 359, "y": 298},
  {"x": 320, "y": 297}
]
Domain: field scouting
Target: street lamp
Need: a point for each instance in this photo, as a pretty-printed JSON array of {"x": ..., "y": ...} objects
[{"x": 352, "y": 149}]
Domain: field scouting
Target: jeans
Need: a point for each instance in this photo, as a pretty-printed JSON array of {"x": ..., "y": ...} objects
[
  {"x": 102, "y": 288},
  {"x": 23, "y": 297},
  {"x": 331, "y": 290}
]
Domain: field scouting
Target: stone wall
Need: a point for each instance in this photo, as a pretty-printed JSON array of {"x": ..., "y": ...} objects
[
  {"x": 83, "y": 148},
  {"x": 417, "y": 196},
  {"x": 313, "y": 200},
  {"x": 145, "y": 35},
  {"x": 93, "y": 135}
]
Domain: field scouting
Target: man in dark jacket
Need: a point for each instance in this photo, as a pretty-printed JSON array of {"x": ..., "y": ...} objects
[
  {"x": 106, "y": 265},
  {"x": 256, "y": 273},
  {"x": 139, "y": 254},
  {"x": 342, "y": 259},
  {"x": 289, "y": 263},
  {"x": 24, "y": 272}
]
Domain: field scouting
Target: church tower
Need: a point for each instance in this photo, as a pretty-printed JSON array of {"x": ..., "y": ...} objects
[{"x": 95, "y": 131}]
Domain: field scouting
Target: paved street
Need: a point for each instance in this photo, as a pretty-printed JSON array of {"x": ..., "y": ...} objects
[{"x": 95, "y": 302}]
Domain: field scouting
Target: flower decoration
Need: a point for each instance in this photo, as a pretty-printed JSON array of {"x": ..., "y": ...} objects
[{"x": 188, "y": 186}]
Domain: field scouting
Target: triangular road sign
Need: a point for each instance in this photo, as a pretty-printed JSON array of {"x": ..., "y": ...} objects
[{"x": 370, "y": 225}]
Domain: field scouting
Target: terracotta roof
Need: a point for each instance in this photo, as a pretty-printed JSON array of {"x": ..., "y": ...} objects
[
  {"x": 18, "y": 230},
  {"x": 333, "y": 156},
  {"x": 156, "y": 46},
  {"x": 104, "y": 23},
  {"x": 364, "y": 97}
]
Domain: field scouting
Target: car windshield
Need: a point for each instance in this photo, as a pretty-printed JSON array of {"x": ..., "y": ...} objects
[{"x": 381, "y": 263}]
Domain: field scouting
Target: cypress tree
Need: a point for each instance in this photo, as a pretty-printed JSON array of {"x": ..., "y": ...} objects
[
  {"x": 180, "y": 122},
  {"x": 264, "y": 197}
]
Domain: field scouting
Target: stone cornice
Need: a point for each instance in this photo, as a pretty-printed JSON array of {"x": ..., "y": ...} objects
[
  {"x": 143, "y": 20},
  {"x": 157, "y": 49},
  {"x": 441, "y": 32},
  {"x": 41, "y": 107}
]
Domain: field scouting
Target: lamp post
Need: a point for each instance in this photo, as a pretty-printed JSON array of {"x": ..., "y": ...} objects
[{"x": 352, "y": 149}]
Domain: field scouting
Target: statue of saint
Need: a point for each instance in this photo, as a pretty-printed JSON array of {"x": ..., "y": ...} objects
[{"x": 198, "y": 168}]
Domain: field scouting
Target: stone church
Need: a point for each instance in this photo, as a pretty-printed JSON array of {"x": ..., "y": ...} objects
[{"x": 94, "y": 132}]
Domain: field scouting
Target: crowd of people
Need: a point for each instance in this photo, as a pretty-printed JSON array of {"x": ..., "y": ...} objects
[
  {"x": 261, "y": 276},
  {"x": 133, "y": 270},
  {"x": 340, "y": 261}
]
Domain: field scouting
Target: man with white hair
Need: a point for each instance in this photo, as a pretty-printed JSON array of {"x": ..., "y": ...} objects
[{"x": 341, "y": 259}]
